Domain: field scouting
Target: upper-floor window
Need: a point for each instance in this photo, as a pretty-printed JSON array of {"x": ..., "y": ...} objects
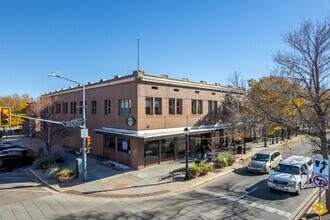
[
  {"x": 125, "y": 106},
  {"x": 58, "y": 108},
  {"x": 200, "y": 107},
  {"x": 158, "y": 106},
  {"x": 65, "y": 108},
  {"x": 212, "y": 107},
  {"x": 73, "y": 107},
  {"x": 107, "y": 107},
  {"x": 94, "y": 107},
  {"x": 148, "y": 106},
  {"x": 171, "y": 106},
  {"x": 197, "y": 107},
  {"x": 179, "y": 106}
]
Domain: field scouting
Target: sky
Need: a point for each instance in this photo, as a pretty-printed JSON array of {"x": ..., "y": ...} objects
[{"x": 97, "y": 39}]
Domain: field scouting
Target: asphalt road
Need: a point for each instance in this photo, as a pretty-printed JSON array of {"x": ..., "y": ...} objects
[{"x": 240, "y": 195}]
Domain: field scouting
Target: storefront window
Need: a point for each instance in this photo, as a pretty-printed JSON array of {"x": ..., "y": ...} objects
[
  {"x": 124, "y": 145},
  {"x": 181, "y": 146},
  {"x": 109, "y": 141},
  {"x": 167, "y": 148},
  {"x": 151, "y": 152}
]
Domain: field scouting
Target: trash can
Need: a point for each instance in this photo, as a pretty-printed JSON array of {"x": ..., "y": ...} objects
[{"x": 239, "y": 149}]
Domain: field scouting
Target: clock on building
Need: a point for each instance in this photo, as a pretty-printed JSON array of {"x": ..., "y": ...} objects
[{"x": 130, "y": 121}]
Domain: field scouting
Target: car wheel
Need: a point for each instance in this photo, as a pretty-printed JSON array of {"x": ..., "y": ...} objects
[{"x": 299, "y": 189}]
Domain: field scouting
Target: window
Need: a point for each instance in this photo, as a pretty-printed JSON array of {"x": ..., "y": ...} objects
[
  {"x": 58, "y": 108},
  {"x": 212, "y": 107},
  {"x": 200, "y": 107},
  {"x": 193, "y": 107},
  {"x": 109, "y": 141},
  {"x": 154, "y": 87},
  {"x": 197, "y": 107},
  {"x": 196, "y": 91},
  {"x": 73, "y": 106},
  {"x": 179, "y": 106},
  {"x": 80, "y": 107},
  {"x": 107, "y": 107},
  {"x": 94, "y": 107},
  {"x": 171, "y": 106},
  {"x": 124, "y": 145},
  {"x": 176, "y": 90},
  {"x": 213, "y": 93},
  {"x": 125, "y": 107},
  {"x": 65, "y": 108},
  {"x": 148, "y": 105},
  {"x": 158, "y": 106}
]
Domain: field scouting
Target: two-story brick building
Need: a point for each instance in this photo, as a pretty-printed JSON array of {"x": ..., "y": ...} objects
[{"x": 139, "y": 119}]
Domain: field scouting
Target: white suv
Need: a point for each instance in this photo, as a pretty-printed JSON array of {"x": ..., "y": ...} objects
[{"x": 291, "y": 174}]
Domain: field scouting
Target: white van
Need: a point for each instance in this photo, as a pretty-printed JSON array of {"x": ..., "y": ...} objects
[
  {"x": 264, "y": 161},
  {"x": 291, "y": 174}
]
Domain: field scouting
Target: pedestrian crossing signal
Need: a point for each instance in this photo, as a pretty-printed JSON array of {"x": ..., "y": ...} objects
[{"x": 5, "y": 116}]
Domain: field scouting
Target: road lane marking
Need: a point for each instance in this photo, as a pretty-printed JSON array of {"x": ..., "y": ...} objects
[
  {"x": 246, "y": 202},
  {"x": 22, "y": 190}
]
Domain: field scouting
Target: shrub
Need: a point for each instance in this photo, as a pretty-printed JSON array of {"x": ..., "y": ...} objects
[
  {"x": 203, "y": 168},
  {"x": 64, "y": 173},
  {"x": 40, "y": 164},
  {"x": 225, "y": 159},
  {"x": 194, "y": 170},
  {"x": 52, "y": 170}
]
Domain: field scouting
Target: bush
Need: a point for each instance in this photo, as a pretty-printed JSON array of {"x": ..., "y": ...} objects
[
  {"x": 194, "y": 170},
  {"x": 64, "y": 173},
  {"x": 40, "y": 164},
  {"x": 225, "y": 159},
  {"x": 52, "y": 170}
]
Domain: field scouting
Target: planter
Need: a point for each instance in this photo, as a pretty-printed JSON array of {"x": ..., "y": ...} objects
[
  {"x": 194, "y": 174},
  {"x": 221, "y": 164},
  {"x": 66, "y": 178}
]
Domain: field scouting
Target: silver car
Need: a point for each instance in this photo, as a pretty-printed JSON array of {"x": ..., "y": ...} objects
[{"x": 264, "y": 161}]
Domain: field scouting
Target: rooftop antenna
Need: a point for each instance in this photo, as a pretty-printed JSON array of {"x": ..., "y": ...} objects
[{"x": 138, "y": 54}]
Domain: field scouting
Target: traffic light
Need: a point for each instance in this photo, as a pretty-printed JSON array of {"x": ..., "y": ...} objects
[
  {"x": 89, "y": 144},
  {"x": 89, "y": 141},
  {"x": 5, "y": 116}
]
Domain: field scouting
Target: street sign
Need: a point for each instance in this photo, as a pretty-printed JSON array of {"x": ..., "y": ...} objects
[
  {"x": 321, "y": 182},
  {"x": 321, "y": 173},
  {"x": 321, "y": 166},
  {"x": 84, "y": 133},
  {"x": 73, "y": 123},
  {"x": 320, "y": 208}
]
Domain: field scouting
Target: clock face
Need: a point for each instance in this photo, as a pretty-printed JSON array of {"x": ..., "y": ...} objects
[{"x": 130, "y": 121}]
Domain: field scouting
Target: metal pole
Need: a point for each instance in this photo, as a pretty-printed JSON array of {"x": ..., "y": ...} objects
[
  {"x": 84, "y": 159},
  {"x": 187, "y": 150},
  {"x": 320, "y": 198}
]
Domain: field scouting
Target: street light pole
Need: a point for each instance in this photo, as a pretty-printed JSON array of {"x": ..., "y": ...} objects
[
  {"x": 186, "y": 130},
  {"x": 84, "y": 156}
]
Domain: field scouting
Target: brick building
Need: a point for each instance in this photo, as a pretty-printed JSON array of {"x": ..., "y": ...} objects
[{"x": 139, "y": 119}]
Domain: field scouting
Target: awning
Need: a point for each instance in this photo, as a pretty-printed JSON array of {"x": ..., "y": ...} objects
[{"x": 157, "y": 134}]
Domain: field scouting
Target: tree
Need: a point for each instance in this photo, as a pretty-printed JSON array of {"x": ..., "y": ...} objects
[
  {"x": 48, "y": 133},
  {"x": 296, "y": 95},
  {"x": 18, "y": 104}
]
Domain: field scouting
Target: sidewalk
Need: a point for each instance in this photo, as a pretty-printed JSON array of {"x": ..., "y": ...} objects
[{"x": 105, "y": 182}]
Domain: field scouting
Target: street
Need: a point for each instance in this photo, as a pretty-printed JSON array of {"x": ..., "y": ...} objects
[{"x": 239, "y": 195}]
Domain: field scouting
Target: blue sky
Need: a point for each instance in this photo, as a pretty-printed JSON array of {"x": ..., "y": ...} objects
[{"x": 95, "y": 39}]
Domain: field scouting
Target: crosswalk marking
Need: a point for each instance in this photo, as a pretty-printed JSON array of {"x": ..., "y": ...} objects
[{"x": 245, "y": 202}]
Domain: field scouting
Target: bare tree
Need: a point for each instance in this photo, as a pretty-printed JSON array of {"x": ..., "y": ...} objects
[
  {"x": 48, "y": 133},
  {"x": 298, "y": 95}
]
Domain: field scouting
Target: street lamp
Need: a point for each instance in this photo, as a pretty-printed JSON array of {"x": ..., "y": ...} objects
[
  {"x": 186, "y": 131},
  {"x": 84, "y": 159}
]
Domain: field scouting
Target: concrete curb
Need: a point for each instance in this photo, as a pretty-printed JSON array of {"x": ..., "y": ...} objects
[
  {"x": 35, "y": 176},
  {"x": 304, "y": 206}
]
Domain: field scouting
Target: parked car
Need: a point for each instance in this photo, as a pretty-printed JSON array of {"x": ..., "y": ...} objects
[
  {"x": 9, "y": 146},
  {"x": 291, "y": 174},
  {"x": 264, "y": 161},
  {"x": 15, "y": 157}
]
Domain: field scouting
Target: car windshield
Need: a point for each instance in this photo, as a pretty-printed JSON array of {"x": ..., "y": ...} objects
[
  {"x": 261, "y": 157},
  {"x": 287, "y": 169}
]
